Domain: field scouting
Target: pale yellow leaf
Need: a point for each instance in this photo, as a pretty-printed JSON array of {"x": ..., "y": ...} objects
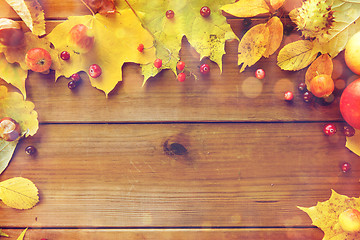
[
  {"x": 353, "y": 143},
  {"x": 276, "y": 4},
  {"x": 296, "y": 55},
  {"x": 246, "y": 8},
  {"x": 22, "y": 235},
  {"x": 276, "y": 35},
  {"x": 19, "y": 193},
  {"x": 31, "y": 13},
  {"x": 253, "y": 45},
  {"x": 2, "y": 234}
]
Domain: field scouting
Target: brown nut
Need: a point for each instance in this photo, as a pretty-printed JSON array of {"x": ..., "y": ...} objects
[{"x": 9, "y": 129}]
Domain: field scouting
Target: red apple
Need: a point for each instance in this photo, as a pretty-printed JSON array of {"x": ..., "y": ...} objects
[
  {"x": 11, "y": 34},
  {"x": 38, "y": 60},
  {"x": 349, "y": 220},
  {"x": 350, "y": 104},
  {"x": 9, "y": 129},
  {"x": 81, "y": 38},
  {"x": 322, "y": 85}
]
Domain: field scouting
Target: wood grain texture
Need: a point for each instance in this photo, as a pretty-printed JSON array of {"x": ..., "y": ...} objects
[
  {"x": 238, "y": 175},
  {"x": 167, "y": 234}
]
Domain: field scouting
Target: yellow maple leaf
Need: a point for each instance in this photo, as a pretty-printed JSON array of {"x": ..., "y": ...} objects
[
  {"x": 253, "y": 45},
  {"x": 31, "y": 13},
  {"x": 296, "y": 55},
  {"x": 19, "y": 193},
  {"x": 322, "y": 65},
  {"x": 117, "y": 37},
  {"x": 325, "y": 215},
  {"x": 246, "y": 8}
]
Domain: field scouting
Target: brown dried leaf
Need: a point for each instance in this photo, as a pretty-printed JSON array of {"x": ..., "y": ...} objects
[
  {"x": 101, "y": 6},
  {"x": 276, "y": 35},
  {"x": 322, "y": 65},
  {"x": 253, "y": 45},
  {"x": 31, "y": 13}
]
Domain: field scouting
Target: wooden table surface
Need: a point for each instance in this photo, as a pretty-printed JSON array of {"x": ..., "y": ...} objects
[{"x": 104, "y": 172}]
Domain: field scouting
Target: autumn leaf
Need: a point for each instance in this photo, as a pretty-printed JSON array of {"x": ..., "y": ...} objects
[
  {"x": 2, "y": 234},
  {"x": 325, "y": 215},
  {"x": 296, "y": 55},
  {"x": 31, "y": 13},
  {"x": 322, "y": 65},
  {"x": 14, "y": 106},
  {"x": 246, "y": 8},
  {"x": 117, "y": 37},
  {"x": 206, "y": 35},
  {"x": 275, "y": 27},
  {"x": 13, "y": 74},
  {"x": 22, "y": 235},
  {"x": 101, "y": 6},
  {"x": 253, "y": 45},
  {"x": 353, "y": 143}
]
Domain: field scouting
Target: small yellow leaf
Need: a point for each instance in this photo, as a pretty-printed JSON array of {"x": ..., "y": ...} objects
[
  {"x": 322, "y": 65},
  {"x": 22, "y": 235},
  {"x": 353, "y": 143},
  {"x": 253, "y": 45},
  {"x": 325, "y": 215},
  {"x": 296, "y": 55},
  {"x": 276, "y": 4},
  {"x": 246, "y": 8},
  {"x": 31, "y": 13},
  {"x": 276, "y": 35},
  {"x": 19, "y": 193},
  {"x": 2, "y": 234}
]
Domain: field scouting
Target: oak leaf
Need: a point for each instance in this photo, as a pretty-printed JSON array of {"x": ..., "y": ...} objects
[
  {"x": 14, "y": 106},
  {"x": 31, "y": 13},
  {"x": 117, "y": 37},
  {"x": 322, "y": 65},
  {"x": 245, "y": 8},
  {"x": 296, "y": 55},
  {"x": 19, "y": 193},
  {"x": 325, "y": 215}
]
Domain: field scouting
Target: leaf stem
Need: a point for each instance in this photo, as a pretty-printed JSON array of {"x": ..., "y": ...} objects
[{"x": 87, "y": 6}]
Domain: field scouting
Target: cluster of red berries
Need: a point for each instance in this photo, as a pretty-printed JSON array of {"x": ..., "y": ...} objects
[
  {"x": 204, "y": 11},
  {"x": 75, "y": 80}
]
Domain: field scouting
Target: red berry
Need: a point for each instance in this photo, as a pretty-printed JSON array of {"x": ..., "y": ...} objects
[
  {"x": 307, "y": 96},
  {"x": 260, "y": 73},
  {"x": 345, "y": 167},
  {"x": 349, "y": 131},
  {"x": 170, "y": 14},
  {"x": 95, "y": 71},
  {"x": 180, "y": 65},
  {"x": 140, "y": 48},
  {"x": 302, "y": 87},
  {"x": 158, "y": 63},
  {"x": 205, "y": 69},
  {"x": 289, "y": 96},
  {"x": 329, "y": 129},
  {"x": 75, "y": 77},
  {"x": 205, "y": 11},
  {"x": 30, "y": 150},
  {"x": 72, "y": 84},
  {"x": 65, "y": 55},
  {"x": 181, "y": 77}
]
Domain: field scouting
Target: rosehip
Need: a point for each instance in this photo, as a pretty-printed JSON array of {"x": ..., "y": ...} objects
[
  {"x": 205, "y": 11},
  {"x": 95, "y": 71},
  {"x": 64, "y": 55},
  {"x": 302, "y": 87},
  {"x": 288, "y": 96},
  {"x": 349, "y": 131},
  {"x": 260, "y": 73},
  {"x": 346, "y": 167},
  {"x": 72, "y": 84},
  {"x": 30, "y": 150},
  {"x": 158, "y": 63},
  {"x": 169, "y": 14},
  {"x": 205, "y": 69},
  {"x": 75, "y": 77},
  {"x": 180, "y": 65},
  {"x": 140, "y": 48},
  {"x": 329, "y": 129},
  {"x": 181, "y": 77},
  {"x": 307, "y": 97}
]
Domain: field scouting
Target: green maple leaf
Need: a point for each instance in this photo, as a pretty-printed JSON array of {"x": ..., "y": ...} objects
[{"x": 206, "y": 35}]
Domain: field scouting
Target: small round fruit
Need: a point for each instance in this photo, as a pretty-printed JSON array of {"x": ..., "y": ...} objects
[
  {"x": 95, "y": 71},
  {"x": 205, "y": 12},
  {"x": 350, "y": 104},
  {"x": 288, "y": 96},
  {"x": 75, "y": 77},
  {"x": 307, "y": 97},
  {"x": 181, "y": 77},
  {"x": 140, "y": 48},
  {"x": 349, "y": 131},
  {"x": 9, "y": 129},
  {"x": 180, "y": 65},
  {"x": 81, "y": 38},
  {"x": 73, "y": 84},
  {"x": 346, "y": 167},
  {"x": 260, "y": 73},
  {"x": 349, "y": 220},
  {"x": 329, "y": 129},
  {"x": 30, "y": 150},
  {"x": 64, "y": 55},
  {"x": 352, "y": 53},
  {"x": 38, "y": 60},
  {"x": 158, "y": 63},
  {"x": 322, "y": 85},
  {"x": 169, "y": 14},
  {"x": 205, "y": 69},
  {"x": 302, "y": 87}
]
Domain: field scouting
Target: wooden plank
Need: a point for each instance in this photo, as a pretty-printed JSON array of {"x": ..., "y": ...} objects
[
  {"x": 239, "y": 175},
  {"x": 174, "y": 234}
]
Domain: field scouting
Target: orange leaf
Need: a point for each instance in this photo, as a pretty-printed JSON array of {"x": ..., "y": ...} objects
[
  {"x": 275, "y": 27},
  {"x": 322, "y": 65}
]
